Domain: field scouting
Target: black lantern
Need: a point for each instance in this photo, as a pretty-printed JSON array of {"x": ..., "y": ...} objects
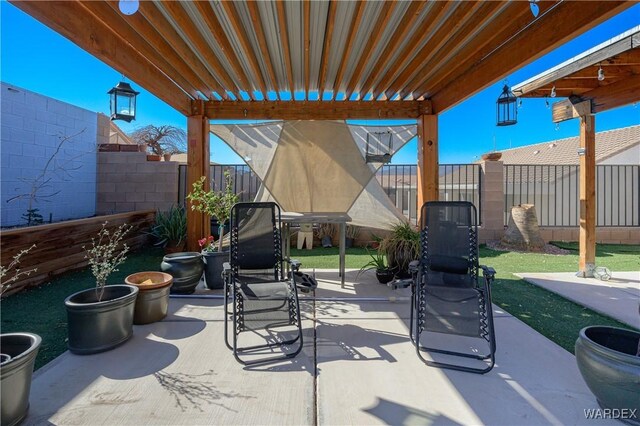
[
  {"x": 123, "y": 102},
  {"x": 506, "y": 108}
]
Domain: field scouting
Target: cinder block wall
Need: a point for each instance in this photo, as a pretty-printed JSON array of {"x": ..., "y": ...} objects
[
  {"x": 127, "y": 182},
  {"x": 32, "y": 126}
]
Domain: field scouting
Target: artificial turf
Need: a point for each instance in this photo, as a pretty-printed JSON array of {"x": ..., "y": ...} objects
[{"x": 41, "y": 310}]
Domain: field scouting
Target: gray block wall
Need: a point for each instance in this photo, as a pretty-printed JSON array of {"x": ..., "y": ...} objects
[
  {"x": 128, "y": 182},
  {"x": 31, "y": 128}
]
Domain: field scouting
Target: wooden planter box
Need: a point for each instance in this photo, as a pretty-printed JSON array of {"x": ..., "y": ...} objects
[{"x": 59, "y": 245}]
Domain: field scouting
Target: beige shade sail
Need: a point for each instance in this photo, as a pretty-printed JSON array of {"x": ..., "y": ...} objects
[{"x": 319, "y": 166}]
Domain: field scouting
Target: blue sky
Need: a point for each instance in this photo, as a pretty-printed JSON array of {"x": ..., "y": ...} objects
[{"x": 38, "y": 59}]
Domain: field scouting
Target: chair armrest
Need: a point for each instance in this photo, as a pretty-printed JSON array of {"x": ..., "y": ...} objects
[
  {"x": 295, "y": 264},
  {"x": 414, "y": 265},
  {"x": 488, "y": 272}
]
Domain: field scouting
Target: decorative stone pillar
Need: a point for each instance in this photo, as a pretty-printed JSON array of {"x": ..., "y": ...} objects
[{"x": 492, "y": 193}]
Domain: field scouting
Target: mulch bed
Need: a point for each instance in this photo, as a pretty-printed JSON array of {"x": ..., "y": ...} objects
[{"x": 547, "y": 249}]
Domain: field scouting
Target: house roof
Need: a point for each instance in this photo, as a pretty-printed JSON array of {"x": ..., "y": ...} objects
[{"x": 565, "y": 151}]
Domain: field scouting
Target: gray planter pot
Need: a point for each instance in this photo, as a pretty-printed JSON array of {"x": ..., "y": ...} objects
[
  {"x": 213, "y": 262},
  {"x": 185, "y": 268},
  {"x": 97, "y": 326},
  {"x": 19, "y": 351},
  {"x": 609, "y": 363},
  {"x": 152, "y": 303}
]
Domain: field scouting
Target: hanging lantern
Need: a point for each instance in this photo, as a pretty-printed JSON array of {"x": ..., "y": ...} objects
[
  {"x": 123, "y": 102},
  {"x": 506, "y": 108}
]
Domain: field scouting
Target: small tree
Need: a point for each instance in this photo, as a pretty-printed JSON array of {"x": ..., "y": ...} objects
[
  {"x": 105, "y": 254},
  {"x": 13, "y": 270},
  {"x": 161, "y": 139},
  {"x": 41, "y": 186},
  {"x": 217, "y": 204}
]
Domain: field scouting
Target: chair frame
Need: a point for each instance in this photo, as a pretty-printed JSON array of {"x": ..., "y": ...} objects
[
  {"x": 482, "y": 286},
  {"x": 231, "y": 293}
]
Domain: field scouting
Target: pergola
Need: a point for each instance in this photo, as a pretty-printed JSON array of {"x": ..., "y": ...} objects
[
  {"x": 600, "y": 79},
  {"x": 317, "y": 60}
]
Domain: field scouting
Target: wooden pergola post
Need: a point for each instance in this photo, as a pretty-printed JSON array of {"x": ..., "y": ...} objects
[
  {"x": 427, "y": 159},
  {"x": 198, "y": 224},
  {"x": 587, "y": 195}
]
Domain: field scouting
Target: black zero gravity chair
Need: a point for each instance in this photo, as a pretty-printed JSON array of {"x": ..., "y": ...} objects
[
  {"x": 263, "y": 300},
  {"x": 448, "y": 296}
]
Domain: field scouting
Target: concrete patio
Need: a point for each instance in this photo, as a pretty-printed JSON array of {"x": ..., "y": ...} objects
[
  {"x": 618, "y": 298},
  {"x": 358, "y": 367}
]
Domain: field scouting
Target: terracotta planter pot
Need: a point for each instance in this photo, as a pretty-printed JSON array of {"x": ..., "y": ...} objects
[
  {"x": 19, "y": 351},
  {"x": 610, "y": 365},
  {"x": 152, "y": 303},
  {"x": 100, "y": 325},
  {"x": 167, "y": 157},
  {"x": 185, "y": 268},
  {"x": 153, "y": 157}
]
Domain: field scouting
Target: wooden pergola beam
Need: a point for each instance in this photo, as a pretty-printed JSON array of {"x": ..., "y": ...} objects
[
  {"x": 408, "y": 20},
  {"x": 314, "y": 110},
  {"x": 234, "y": 19},
  {"x": 215, "y": 28},
  {"x": 326, "y": 48},
  {"x": 284, "y": 39},
  {"x": 587, "y": 255},
  {"x": 262, "y": 43},
  {"x": 198, "y": 224},
  {"x": 447, "y": 31},
  {"x": 425, "y": 29},
  {"x": 353, "y": 31},
  {"x": 100, "y": 41},
  {"x": 159, "y": 23},
  {"x": 372, "y": 41},
  {"x": 179, "y": 15},
  {"x": 428, "y": 163}
]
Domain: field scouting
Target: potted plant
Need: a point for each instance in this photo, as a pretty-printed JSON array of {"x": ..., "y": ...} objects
[
  {"x": 351, "y": 235},
  {"x": 101, "y": 318},
  {"x": 609, "y": 361},
  {"x": 379, "y": 263},
  {"x": 401, "y": 247},
  {"x": 152, "y": 303},
  {"x": 216, "y": 204},
  {"x": 170, "y": 229},
  {"x": 17, "y": 357}
]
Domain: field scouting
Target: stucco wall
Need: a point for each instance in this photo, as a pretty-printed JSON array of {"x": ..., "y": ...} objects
[
  {"x": 629, "y": 156},
  {"x": 32, "y": 126}
]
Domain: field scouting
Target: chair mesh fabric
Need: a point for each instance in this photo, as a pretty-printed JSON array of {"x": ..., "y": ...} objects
[
  {"x": 264, "y": 300},
  {"x": 450, "y": 301}
]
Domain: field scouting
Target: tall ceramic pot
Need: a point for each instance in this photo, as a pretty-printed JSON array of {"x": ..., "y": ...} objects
[
  {"x": 19, "y": 351},
  {"x": 152, "y": 303},
  {"x": 185, "y": 268},
  {"x": 213, "y": 262},
  {"x": 99, "y": 325},
  {"x": 609, "y": 361}
]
